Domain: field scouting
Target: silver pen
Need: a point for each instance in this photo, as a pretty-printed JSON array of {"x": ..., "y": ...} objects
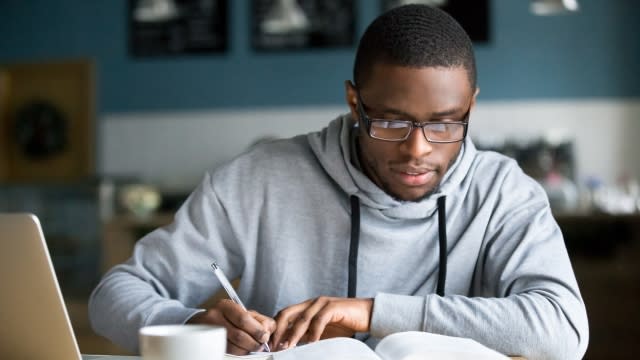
[{"x": 231, "y": 292}]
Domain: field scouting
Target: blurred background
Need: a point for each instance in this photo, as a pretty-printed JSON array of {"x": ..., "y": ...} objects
[{"x": 111, "y": 112}]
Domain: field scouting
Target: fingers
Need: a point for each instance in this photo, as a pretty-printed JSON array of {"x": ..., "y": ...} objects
[
  {"x": 235, "y": 350},
  {"x": 305, "y": 321},
  {"x": 283, "y": 321},
  {"x": 245, "y": 333},
  {"x": 323, "y": 316},
  {"x": 268, "y": 323},
  {"x": 311, "y": 322},
  {"x": 318, "y": 325},
  {"x": 216, "y": 316}
]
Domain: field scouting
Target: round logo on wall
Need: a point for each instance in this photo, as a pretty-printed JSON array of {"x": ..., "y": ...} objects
[{"x": 41, "y": 130}]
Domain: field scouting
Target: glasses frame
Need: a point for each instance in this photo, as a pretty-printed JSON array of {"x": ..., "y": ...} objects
[{"x": 412, "y": 124}]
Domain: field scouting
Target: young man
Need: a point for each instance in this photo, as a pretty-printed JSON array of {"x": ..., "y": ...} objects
[{"x": 387, "y": 220}]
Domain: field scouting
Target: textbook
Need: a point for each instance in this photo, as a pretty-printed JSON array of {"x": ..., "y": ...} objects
[{"x": 410, "y": 345}]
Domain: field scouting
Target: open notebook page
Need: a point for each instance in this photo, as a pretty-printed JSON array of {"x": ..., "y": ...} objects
[
  {"x": 336, "y": 348},
  {"x": 256, "y": 356},
  {"x": 414, "y": 345}
]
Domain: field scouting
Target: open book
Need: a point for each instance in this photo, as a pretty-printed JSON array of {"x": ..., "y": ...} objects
[{"x": 411, "y": 345}]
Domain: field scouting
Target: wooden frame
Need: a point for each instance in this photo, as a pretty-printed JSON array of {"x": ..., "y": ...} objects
[
  {"x": 69, "y": 86},
  {"x": 4, "y": 102}
]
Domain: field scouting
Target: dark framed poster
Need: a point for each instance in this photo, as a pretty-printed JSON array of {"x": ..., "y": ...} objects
[
  {"x": 302, "y": 24},
  {"x": 473, "y": 16},
  {"x": 174, "y": 27}
]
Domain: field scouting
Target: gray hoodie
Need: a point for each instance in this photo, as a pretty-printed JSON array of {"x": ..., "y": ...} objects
[{"x": 279, "y": 216}]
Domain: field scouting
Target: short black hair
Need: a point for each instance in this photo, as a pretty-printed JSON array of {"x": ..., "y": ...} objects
[{"x": 414, "y": 36}]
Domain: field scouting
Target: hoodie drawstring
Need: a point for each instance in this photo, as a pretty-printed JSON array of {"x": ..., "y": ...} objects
[
  {"x": 442, "y": 240},
  {"x": 355, "y": 240},
  {"x": 353, "y": 247}
]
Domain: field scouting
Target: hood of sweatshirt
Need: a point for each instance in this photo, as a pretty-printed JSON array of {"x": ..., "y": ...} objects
[{"x": 334, "y": 148}]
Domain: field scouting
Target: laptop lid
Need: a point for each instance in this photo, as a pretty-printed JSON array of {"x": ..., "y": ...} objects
[{"x": 34, "y": 319}]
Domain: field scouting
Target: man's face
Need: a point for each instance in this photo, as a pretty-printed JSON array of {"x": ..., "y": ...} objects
[{"x": 410, "y": 169}]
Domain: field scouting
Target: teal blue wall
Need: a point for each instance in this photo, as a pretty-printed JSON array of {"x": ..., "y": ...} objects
[{"x": 594, "y": 53}]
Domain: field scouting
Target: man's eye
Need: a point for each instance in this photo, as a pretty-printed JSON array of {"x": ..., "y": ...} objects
[
  {"x": 438, "y": 127},
  {"x": 390, "y": 124}
]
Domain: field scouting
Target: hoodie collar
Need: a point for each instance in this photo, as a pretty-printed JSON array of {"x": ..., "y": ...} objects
[{"x": 334, "y": 148}]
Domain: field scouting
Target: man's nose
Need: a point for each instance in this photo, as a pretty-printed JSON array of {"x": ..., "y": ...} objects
[{"x": 416, "y": 144}]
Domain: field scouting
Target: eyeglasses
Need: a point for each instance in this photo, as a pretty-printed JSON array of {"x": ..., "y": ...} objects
[{"x": 440, "y": 132}]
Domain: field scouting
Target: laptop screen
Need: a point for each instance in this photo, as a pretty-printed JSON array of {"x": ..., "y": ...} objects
[{"x": 35, "y": 324}]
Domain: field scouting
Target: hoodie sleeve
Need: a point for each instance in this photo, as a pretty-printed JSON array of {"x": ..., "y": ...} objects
[
  {"x": 169, "y": 273},
  {"x": 526, "y": 299}
]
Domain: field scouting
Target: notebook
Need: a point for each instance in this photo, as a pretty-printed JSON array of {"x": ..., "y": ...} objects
[
  {"x": 35, "y": 323},
  {"x": 410, "y": 345}
]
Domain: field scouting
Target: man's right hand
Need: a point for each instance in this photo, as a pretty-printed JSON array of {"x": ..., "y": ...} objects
[{"x": 246, "y": 330}]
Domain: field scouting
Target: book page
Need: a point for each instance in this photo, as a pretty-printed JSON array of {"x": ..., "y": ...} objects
[
  {"x": 415, "y": 345},
  {"x": 341, "y": 348},
  {"x": 256, "y": 356}
]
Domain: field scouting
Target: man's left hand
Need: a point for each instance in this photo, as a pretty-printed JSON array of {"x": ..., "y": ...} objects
[{"x": 321, "y": 317}]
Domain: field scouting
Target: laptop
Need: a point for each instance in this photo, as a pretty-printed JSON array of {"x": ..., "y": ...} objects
[{"x": 34, "y": 320}]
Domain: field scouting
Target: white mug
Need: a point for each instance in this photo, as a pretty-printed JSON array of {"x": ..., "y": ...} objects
[{"x": 183, "y": 342}]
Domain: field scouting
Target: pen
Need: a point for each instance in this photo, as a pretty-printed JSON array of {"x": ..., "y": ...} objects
[{"x": 231, "y": 292}]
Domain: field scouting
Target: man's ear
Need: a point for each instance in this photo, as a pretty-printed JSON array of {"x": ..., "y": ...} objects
[
  {"x": 352, "y": 99},
  {"x": 475, "y": 96}
]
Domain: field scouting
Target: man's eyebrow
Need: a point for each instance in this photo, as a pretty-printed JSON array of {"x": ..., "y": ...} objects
[
  {"x": 390, "y": 110},
  {"x": 404, "y": 114},
  {"x": 453, "y": 111}
]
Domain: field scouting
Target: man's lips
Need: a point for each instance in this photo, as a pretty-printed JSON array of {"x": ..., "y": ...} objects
[{"x": 414, "y": 176}]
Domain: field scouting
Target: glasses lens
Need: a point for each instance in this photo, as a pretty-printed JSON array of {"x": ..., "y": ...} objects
[
  {"x": 444, "y": 132},
  {"x": 389, "y": 130}
]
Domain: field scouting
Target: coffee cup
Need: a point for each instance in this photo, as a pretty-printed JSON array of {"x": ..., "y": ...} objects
[{"x": 180, "y": 342}]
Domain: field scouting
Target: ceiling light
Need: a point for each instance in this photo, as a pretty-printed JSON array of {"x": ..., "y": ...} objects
[{"x": 553, "y": 7}]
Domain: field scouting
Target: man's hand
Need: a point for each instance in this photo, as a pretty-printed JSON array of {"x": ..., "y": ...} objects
[
  {"x": 246, "y": 330},
  {"x": 322, "y": 317}
]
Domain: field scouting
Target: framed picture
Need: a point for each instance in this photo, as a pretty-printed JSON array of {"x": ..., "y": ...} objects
[
  {"x": 302, "y": 24},
  {"x": 47, "y": 122},
  {"x": 473, "y": 16},
  {"x": 175, "y": 27},
  {"x": 4, "y": 131}
]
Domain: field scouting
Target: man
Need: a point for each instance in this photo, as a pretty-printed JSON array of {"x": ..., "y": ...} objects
[{"x": 387, "y": 220}]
